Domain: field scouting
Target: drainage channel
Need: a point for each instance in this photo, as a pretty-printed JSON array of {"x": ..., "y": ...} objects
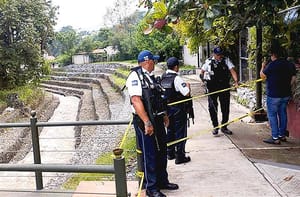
[{"x": 57, "y": 145}]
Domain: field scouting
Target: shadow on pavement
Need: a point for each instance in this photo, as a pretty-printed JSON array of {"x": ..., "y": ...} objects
[{"x": 248, "y": 137}]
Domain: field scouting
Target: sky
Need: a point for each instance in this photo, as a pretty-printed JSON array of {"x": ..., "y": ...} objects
[{"x": 82, "y": 14}]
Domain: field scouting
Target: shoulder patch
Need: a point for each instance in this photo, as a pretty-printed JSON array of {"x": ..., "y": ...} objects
[{"x": 134, "y": 82}]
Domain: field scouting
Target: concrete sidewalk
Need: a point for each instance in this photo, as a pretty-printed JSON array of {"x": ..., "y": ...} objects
[{"x": 220, "y": 168}]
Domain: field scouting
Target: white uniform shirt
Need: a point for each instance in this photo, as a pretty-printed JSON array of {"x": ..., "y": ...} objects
[
  {"x": 206, "y": 67},
  {"x": 133, "y": 84},
  {"x": 180, "y": 85}
]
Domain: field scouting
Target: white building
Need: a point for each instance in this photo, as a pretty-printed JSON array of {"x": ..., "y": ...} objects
[{"x": 82, "y": 58}]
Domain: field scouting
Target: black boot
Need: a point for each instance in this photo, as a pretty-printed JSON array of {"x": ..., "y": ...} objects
[
  {"x": 171, "y": 154},
  {"x": 182, "y": 159},
  {"x": 155, "y": 193}
]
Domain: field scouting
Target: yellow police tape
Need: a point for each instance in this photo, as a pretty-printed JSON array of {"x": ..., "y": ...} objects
[
  {"x": 139, "y": 151},
  {"x": 140, "y": 174},
  {"x": 219, "y": 126},
  {"x": 208, "y": 94},
  {"x": 126, "y": 133}
]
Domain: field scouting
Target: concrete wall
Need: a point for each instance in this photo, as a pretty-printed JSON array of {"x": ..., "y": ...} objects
[
  {"x": 293, "y": 120},
  {"x": 188, "y": 58},
  {"x": 192, "y": 59}
]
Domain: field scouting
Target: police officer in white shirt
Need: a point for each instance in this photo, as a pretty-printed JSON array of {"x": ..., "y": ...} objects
[
  {"x": 216, "y": 73},
  {"x": 149, "y": 121},
  {"x": 176, "y": 90}
]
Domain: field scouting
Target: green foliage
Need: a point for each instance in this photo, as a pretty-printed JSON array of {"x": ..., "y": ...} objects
[
  {"x": 219, "y": 22},
  {"x": 46, "y": 68},
  {"x": 25, "y": 29},
  {"x": 118, "y": 81},
  {"x": 105, "y": 159},
  {"x": 159, "y": 10},
  {"x": 267, "y": 37},
  {"x": 163, "y": 44},
  {"x": 252, "y": 48},
  {"x": 30, "y": 95},
  {"x": 296, "y": 91},
  {"x": 64, "y": 59},
  {"x": 123, "y": 70},
  {"x": 187, "y": 67},
  {"x": 67, "y": 38},
  {"x": 123, "y": 36}
]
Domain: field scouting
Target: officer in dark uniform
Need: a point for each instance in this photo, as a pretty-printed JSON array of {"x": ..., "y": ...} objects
[
  {"x": 176, "y": 89},
  {"x": 216, "y": 72},
  {"x": 150, "y": 119}
]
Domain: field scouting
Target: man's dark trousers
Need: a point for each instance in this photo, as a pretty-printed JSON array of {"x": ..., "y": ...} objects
[
  {"x": 224, "y": 99},
  {"x": 154, "y": 151},
  {"x": 177, "y": 130}
]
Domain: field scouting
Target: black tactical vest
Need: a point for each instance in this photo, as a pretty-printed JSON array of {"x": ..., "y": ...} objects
[
  {"x": 220, "y": 77},
  {"x": 167, "y": 82},
  {"x": 152, "y": 94}
]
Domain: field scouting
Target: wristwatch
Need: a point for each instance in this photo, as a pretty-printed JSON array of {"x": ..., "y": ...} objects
[{"x": 148, "y": 123}]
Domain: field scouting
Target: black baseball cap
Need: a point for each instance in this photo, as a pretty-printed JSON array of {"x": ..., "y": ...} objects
[{"x": 172, "y": 62}]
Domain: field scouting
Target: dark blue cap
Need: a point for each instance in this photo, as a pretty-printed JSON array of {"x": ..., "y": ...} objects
[
  {"x": 146, "y": 55},
  {"x": 218, "y": 50},
  {"x": 172, "y": 62}
]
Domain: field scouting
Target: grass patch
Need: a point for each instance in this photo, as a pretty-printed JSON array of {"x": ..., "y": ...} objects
[
  {"x": 30, "y": 95},
  {"x": 187, "y": 67},
  {"x": 2, "y": 105},
  {"x": 128, "y": 61},
  {"x": 118, "y": 81},
  {"x": 181, "y": 67},
  {"x": 105, "y": 159},
  {"x": 123, "y": 71}
]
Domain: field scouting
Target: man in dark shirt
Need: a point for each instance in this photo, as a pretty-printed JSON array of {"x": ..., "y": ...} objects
[{"x": 280, "y": 75}]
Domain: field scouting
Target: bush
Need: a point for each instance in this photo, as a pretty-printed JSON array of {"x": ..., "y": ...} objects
[
  {"x": 64, "y": 59},
  {"x": 46, "y": 68}
]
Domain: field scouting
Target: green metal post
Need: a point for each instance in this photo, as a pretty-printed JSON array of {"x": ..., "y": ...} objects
[
  {"x": 36, "y": 150},
  {"x": 120, "y": 173}
]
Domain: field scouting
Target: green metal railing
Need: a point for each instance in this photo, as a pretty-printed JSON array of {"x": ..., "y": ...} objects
[{"x": 118, "y": 168}]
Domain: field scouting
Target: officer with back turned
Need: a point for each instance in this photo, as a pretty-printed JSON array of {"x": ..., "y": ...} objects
[
  {"x": 176, "y": 90},
  {"x": 150, "y": 119}
]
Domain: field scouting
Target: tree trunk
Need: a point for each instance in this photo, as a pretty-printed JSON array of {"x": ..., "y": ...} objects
[{"x": 3, "y": 78}]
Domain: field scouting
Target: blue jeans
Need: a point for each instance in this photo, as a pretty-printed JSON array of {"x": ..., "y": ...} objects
[{"x": 277, "y": 115}]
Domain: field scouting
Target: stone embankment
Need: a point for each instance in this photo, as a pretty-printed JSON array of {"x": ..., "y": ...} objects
[
  {"x": 100, "y": 99},
  {"x": 13, "y": 140}
]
